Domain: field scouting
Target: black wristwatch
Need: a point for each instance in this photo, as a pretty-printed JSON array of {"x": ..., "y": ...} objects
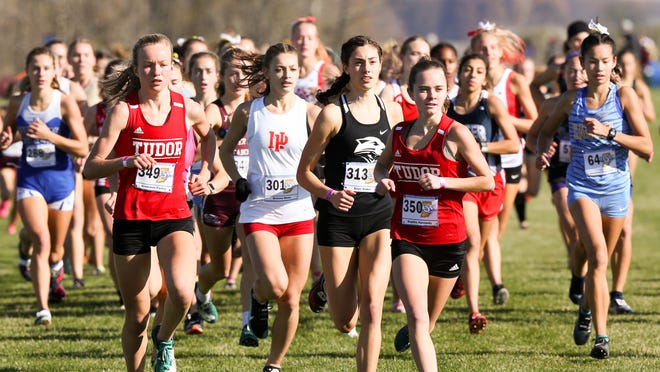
[
  {"x": 211, "y": 187},
  {"x": 611, "y": 134}
]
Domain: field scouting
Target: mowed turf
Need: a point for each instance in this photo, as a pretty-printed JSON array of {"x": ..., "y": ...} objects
[{"x": 532, "y": 332}]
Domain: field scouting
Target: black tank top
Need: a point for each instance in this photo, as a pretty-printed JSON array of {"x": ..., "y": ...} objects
[
  {"x": 360, "y": 143},
  {"x": 482, "y": 127}
]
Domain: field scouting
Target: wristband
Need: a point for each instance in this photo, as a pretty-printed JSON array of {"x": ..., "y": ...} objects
[
  {"x": 484, "y": 147},
  {"x": 329, "y": 194},
  {"x": 124, "y": 161},
  {"x": 442, "y": 183},
  {"x": 211, "y": 187}
]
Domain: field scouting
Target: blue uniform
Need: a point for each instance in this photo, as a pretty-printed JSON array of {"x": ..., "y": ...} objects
[
  {"x": 43, "y": 168},
  {"x": 599, "y": 167}
]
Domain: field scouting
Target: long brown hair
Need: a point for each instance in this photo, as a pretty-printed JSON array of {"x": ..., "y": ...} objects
[{"x": 118, "y": 87}]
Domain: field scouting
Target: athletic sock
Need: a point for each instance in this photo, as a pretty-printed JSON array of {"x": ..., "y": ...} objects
[
  {"x": 577, "y": 284},
  {"x": 202, "y": 297},
  {"x": 246, "y": 317}
]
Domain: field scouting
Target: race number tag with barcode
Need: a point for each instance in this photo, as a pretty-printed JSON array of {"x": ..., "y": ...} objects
[
  {"x": 359, "y": 177},
  {"x": 598, "y": 163},
  {"x": 242, "y": 162},
  {"x": 280, "y": 188},
  {"x": 40, "y": 155},
  {"x": 419, "y": 210},
  {"x": 159, "y": 178}
]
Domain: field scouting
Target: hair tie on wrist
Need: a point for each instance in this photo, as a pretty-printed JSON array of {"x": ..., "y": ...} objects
[{"x": 329, "y": 194}]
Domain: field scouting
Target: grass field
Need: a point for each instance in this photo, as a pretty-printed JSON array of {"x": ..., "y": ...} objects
[{"x": 532, "y": 332}]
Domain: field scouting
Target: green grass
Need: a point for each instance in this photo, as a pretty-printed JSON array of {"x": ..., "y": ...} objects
[{"x": 532, "y": 332}]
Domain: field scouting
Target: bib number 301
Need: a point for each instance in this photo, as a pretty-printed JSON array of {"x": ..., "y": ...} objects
[{"x": 280, "y": 188}]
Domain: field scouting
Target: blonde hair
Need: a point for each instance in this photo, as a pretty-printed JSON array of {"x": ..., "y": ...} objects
[{"x": 513, "y": 47}]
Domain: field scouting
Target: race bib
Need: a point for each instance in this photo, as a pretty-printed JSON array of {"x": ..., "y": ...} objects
[
  {"x": 40, "y": 155},
  {"x": 419, "y": 210},
  {"x": 565, "y": 151},
  {"x": 280, "y": 188},
  {"x": 359, "y": 177},
  {"x": 598, "y": 163},
  {"x": 159, "y": 178},
  {"x": 242, "y": 162}
]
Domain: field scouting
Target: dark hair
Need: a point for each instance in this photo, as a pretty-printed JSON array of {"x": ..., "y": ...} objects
[
  {"x": 231, "y": 54},
  {"x": 258, "y": 64},
  {"x": 437, "y": 49},
  {"x": 425, "y": 64},
  {"x": 24, "y": 85},
  {"x": 118, "y": 87},
  {"x": 469, "y": 57},
  {"x": 575, "y": 28},
  {"x": 594, "y": 39},
  {"x": 347, "y": 50}
]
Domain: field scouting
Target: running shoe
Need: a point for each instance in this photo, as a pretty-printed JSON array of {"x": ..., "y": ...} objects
[
  {"x": 402, "y": 339},
  {"x": 271, "y": 369},
  {"x": 459, "y": 290},
  {"x": 78, "y": 284},
  {"x": 582, "y": 328},
  {"x": 248, "y": 338},
  {"x": 57, "y": 294},
  {"x": 258, "y": 317},
  {"x": 619, "y": 306},
  {"x": 24, "y": 264},
  {"x": 43, "y": 318},
  {"x": 193, "y": 324},
  {"x": 230, "y": 285},
  {"x": 500, "y": 295},
  {"x": 56, "y": 276},
  {"x": 353, "y": 333},
  {"x": 601, "y": 349},
  {"x": 98, "y": 270},
  {"x": 576, "y": 290},
  {"x": 317, "y": 297},
  {"x": 207, "y": 311},
  {"x": 477, "y": 323},
  {"x": 164, "y": 361}
]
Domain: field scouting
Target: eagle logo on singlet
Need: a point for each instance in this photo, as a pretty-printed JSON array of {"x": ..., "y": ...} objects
[{"x": 369, "y": 149}]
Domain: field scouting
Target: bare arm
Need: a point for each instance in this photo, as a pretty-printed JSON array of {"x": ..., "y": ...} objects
[
  {"x": 551, "y": 124},
  {"x": 76, "y": 145},
  {"x": 644, "y": 94},
  {"x": 382, "y": 169},
  {"x": 326, "y": 126},
  {"x": 510, "y": 144},
  {"x": 195, "y": 114},
  {"x": 98, "y": 165},
  {"x": 640, "y": 141},
  {"x": 520, "y": 88},
  {"x": 467, "y": 149},
  {"x": 394, "y": 113},
  {"x": 544, "y": 111}
]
